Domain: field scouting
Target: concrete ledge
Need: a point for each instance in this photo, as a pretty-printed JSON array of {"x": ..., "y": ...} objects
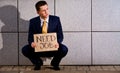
[
  {"x": 42, "y": 71},
  {"x": 103, "y": 72}
]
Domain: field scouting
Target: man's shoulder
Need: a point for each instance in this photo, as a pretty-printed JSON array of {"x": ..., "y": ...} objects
[
  {"x": 53, "y": 16},
  {"x": 50, "y": 16},
  {"x": 35, "y": 18}
]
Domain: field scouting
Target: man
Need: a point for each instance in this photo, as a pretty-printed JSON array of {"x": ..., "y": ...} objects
[{"x": 35, "y": 27}]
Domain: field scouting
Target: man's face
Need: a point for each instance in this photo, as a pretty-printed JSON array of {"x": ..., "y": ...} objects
[{"x": 43, "y": 11}]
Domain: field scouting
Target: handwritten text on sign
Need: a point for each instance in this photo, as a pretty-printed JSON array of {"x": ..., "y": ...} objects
[{"x": 45, "y": 42}]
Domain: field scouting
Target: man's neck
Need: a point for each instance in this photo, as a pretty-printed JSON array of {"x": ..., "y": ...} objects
[{"x": 46, "y": 19}]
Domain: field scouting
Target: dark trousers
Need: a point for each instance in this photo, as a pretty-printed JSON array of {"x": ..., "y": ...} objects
[{"x": 34, "y": 57}]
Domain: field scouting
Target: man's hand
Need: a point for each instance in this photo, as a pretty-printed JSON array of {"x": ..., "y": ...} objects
[
  {"x": 56, "y": 45},
  {"x": 33, "y": 45}
]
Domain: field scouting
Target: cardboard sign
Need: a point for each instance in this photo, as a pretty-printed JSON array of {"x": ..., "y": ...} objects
[{"x": 45, "y": 42}]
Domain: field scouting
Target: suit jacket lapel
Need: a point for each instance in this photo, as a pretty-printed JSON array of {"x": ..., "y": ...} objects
[
  {"x": 38, "y": 23},
  {"x": 49, "y": 24}
]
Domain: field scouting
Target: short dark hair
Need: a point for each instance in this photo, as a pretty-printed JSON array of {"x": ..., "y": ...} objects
[{"x": 39, "y": 4}]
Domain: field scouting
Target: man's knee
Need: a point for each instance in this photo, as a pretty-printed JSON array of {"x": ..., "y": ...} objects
[
  {"x": 63, "y": 49},
  {"x": 25, "y": 50}
]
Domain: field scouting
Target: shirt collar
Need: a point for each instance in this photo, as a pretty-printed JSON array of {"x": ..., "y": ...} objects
[{"x": 45, "y": 20}]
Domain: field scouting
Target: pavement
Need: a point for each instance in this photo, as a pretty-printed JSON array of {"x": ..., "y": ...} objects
[{"x": 64, "y": 69}]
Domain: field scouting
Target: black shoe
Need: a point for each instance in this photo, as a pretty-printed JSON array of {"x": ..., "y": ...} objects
[
  {"x": 56, "y": 67},
  {"x": 37, "y": 67}
]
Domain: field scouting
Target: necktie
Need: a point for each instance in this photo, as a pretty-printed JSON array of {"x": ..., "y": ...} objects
[{"x": 44, "y": 27}]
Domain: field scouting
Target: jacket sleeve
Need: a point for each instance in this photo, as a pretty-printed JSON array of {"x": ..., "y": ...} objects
[
  {"x": 31, "y": 32},
  {"x": 59, "y": 32}
]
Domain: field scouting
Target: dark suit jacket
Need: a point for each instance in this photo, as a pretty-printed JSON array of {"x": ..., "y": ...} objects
[{"x": 54, "y": 25}]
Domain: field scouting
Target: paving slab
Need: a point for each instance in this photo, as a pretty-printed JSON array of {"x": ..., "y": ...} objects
[
  {"x": 42, "y": 71},
  {"x": 103, "y": 72},
  {"x": 9, "y": 72},
  {"x": 53, "y": 71}
]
